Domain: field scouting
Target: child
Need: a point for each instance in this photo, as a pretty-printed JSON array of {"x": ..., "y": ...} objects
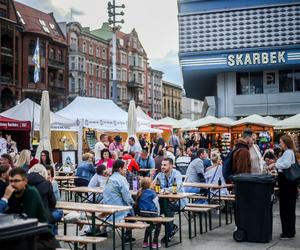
[
  {"x": 148, "y": 206},
  {"x": 98, "y": 180}
]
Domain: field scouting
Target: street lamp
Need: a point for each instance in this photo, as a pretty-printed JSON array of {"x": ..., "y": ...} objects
[{"x": 112, "y": 20}]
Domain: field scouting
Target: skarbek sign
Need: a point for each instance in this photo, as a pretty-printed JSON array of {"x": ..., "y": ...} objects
[{"x": 256, "y": 58}]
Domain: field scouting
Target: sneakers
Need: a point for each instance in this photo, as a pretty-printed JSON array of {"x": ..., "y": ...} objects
[
  {"x": 146, "y": 245},
  {"x": 174, "y": 231},
  {"x": 284, "y": 237},
  {"x": 156, "y": 245},
  {"x": 127, "y": 240}
]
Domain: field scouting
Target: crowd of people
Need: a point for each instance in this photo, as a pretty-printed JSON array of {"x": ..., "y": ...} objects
[{"x": 27, "y": 185}]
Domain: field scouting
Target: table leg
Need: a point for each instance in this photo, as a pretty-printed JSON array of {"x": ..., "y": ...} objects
[
  {"x": 179, "y": 215},
  {"x": 94, "y": 228},
  {"x": 113, "y": 231},
  {"x": 220, "y": 222},
  {"x": 94, "y": 198},
  {"x": 190, "y": 226}
]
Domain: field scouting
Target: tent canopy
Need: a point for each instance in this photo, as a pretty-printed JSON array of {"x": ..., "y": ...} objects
[
  {"x": 142, "y": 115},
  {"x": 13, "y": 124},
  {"x": 292, "y": 122},
  {"x": 208, "y": 120},
  {"x": 100, "y": 114},
  {"x": 28, "y": 110},
  {"x": 253, "y": 119},
  {"x": 168, "y": 121}
]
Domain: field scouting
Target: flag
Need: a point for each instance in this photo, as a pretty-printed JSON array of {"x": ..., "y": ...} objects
[{"x": 36, "y": 61}]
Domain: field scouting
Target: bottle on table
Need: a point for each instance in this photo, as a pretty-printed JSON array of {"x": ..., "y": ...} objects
[
  {"x": 174, "y": 186},
  {"x": 157, "y": 186},
  {"x": 219, "y": 182}
]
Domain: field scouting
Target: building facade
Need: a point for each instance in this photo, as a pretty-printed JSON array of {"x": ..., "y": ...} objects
[
  {"x": 172, "y": 94},
  {"x": 191, "y": 108},
  {"x": 88, "y": 63},
  {"x": 242, "y": 58},
  {"x": 10, "y": 55},
  {"x": 53, "y": 56},
  {"x": 155, "y": 93}
]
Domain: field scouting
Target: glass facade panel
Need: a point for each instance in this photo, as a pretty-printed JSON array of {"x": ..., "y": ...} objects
[
  {"x": 242, "y": 80},
  {"x": 285, "y": 81},
  {"x": 297, "y": 79},
  {"x": 256, "y": 82}
]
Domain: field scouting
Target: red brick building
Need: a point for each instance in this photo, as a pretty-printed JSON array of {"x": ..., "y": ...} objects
[
  {"x": 88, "y": 63},
  {"x": 10, "y": 55},
  {"x": 53, "y": 56}
]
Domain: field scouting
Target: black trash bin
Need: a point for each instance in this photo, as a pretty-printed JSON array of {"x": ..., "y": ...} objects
[
  {"x": 254, "y": 207},
  {"x": 19, "y": 234}
]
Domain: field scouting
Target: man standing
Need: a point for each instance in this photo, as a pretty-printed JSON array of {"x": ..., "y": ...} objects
[
  {"x": 167, "y": 177},
  {"x": 241, "y": 162},
  {"x": 195, "y": 171},
  {"x": 159, "y": 145},
  {"x": 99, "y": 146},
  {"x": 174, "y": 141},
  {"x": 134, "y": 147}
]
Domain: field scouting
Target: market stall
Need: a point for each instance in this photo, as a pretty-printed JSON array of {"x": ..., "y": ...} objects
[
  {"x": 259, "y": 125},
  {"x": 19, "y": 131}
]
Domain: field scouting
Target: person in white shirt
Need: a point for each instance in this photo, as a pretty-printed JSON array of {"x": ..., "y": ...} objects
[
  {"x": 98, "y": 180},
  {"x": 99, "y": 146},
  {"x": 287, "y": 189},
  {"x": 170, "y": 153},
  {"x": 3, "y": 145}
]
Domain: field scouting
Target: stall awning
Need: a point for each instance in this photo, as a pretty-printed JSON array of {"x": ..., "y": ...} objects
[{"x": 13, "y": 124}]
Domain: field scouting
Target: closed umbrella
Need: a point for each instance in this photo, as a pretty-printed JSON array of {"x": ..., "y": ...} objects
[
  {"x": 45, "y": 123},
  {"x": 132, "y": 125}
]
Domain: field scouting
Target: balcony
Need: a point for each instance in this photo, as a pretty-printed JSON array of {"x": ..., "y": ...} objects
[
  {"x": 56, "y": 85},
  {"x": 5, "y": 80},
  {"x": 56, "y": 64},
  {"x": 135, "y": 84},
  {"x": 136, "y": 67}
]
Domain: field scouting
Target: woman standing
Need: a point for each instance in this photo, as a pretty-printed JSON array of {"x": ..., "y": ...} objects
[
  {"x": 287, "y": 189},
  {"x": 45, "y": 158}
]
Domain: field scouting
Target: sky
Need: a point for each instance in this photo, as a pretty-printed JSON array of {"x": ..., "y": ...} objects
[{"x": 154, "y": 20}]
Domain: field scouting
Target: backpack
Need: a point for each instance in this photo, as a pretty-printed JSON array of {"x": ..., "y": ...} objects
[{"x": 227, "y": 169}]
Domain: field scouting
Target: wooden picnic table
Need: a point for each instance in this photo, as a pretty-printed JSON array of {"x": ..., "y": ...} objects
[
  {"x": 93, "y": 209},
  {"x": 206, "y": 185},
  {"x": 167, "y": 197}
]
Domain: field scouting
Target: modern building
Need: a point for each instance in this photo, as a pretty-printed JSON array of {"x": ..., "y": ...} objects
[
  {"x": 88, "y": 57},
  {"x": 172, "y": 94},
  {"x": 10, "y": 55},
  {"x": 242, "y": 58},
  {"x": 53, "y": 56},
  {"x": 155, "y": 93},
  {"x": 191, "y": 108}
]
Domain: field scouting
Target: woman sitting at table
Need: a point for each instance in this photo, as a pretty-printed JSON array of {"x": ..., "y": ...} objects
[
  {"x": 99, "y": 180},
  {"x": 106, "y": 159},
  {"x": 85, "y": 171},
  {"x": 116, "y": 192},
  {"x": 213, "y": 174}
]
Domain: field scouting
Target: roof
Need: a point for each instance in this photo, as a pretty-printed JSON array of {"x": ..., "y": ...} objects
[
  {"x": 253, "y": 119},
  {"x": 105, "y": 32},
  {"x": 292, "y": 122},
  {"x": 39, "y": 22},
  {"x": 172, "y": 84}
]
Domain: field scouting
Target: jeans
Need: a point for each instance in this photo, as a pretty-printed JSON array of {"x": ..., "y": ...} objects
[
  {"x": 147, "y": 231},
  {"x": 168, "y": 209}
]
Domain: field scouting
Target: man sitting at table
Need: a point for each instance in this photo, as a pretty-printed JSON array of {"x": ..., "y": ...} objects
[
  {"x": 167, "y": 177},
  {"x": 195, "y": 171},
  {"x": 146, "y": 161},
  {"x": 21, "y": 198},
  {"x": 116, "y": 192}
]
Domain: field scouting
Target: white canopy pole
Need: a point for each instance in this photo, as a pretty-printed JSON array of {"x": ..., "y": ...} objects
[{"x": 80, "y": 140}]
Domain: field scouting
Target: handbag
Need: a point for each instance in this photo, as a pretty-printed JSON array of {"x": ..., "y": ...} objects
[{"x": 293, "y": 173}]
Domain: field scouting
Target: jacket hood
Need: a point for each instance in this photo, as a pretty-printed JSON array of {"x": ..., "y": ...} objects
[
  {"x": 240, "y": 142},
  {"x": 35, "y": 179}
]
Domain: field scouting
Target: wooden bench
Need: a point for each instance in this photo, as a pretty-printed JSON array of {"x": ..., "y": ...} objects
[
  {"x": 76, "y": 240},
  {"x": 210, "y": 206}
]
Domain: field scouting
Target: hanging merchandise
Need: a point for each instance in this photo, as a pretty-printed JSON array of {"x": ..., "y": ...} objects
[
  {"x": 225, "y": 144},
  {"x": 264, "y": 141}
]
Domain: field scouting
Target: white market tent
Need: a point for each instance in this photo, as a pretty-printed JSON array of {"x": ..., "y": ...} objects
[
  {"x": 292, "y": 122},
  {"x": 28, "y": 110},
  {"x": 208, "y": 120},
  {"x": 271, "y": 119},
  {"x": 226, "y": 120},
  {"x": 253, "y": 119},
  {"x": 142, "y": 115},
  {"x": 168, "y": 121},
  {"x": 183, "y": 122},
  {"x": 101, "y": 114}
]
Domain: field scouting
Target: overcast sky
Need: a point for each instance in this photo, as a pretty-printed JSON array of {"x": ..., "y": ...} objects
[{"x": 154, "y": 20}]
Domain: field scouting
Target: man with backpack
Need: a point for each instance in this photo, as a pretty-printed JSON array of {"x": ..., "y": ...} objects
[{"x": 238, "y": 160}]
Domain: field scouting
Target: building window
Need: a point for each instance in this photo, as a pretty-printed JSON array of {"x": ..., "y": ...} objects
[
  {"x": 60, "y": 55},
  {"x": 52, "y": 53},
  {"x": 31, "y": 47},
  {"x": 91, "y": 89},
  {"x": 73, "y": 41},
  {"x": 249, "y": 83},
  {"x": 97, "y": 90},
  {"x": 297, "y": 80},
  {"x": 72, "y": 85},
  {"x": 103, "y": 53},
  {"x": 103, "y": 91},
  {"x": 124, "y": 75},
  {"x": 97, "y": 71},
  {"x": 91, "y": 49},
  {"x": 285, "y": 81},
  {"x": 97, "y": 52},
  {"x": 103, "y": 72},
  {"x": 73, "y": 62},
  {"x": 91, "y": 69},
  {"x": 84, "y": 47},
  {"x": 2, "y": 13}
]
